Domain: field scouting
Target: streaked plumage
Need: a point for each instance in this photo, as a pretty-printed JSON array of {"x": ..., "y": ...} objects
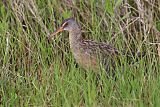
[{"x": 88, "y": 54}]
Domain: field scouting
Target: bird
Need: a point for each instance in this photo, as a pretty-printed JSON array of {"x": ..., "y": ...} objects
[{"x": 89, "y": 54}]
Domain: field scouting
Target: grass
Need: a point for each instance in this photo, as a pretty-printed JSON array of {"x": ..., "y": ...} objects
[{"x": 36, "y": 72}]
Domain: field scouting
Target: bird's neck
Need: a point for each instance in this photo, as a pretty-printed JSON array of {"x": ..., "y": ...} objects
[{"x": 75, "y": 37}]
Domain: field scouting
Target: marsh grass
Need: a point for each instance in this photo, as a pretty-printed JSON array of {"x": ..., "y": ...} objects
[{"x": 38, "y": 72}]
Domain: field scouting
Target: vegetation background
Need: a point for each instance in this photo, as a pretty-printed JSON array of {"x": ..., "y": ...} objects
[{"x": 37, "y": 72}]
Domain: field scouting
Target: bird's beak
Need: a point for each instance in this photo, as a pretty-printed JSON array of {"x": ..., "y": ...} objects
[{"x": 60, "y": 29}]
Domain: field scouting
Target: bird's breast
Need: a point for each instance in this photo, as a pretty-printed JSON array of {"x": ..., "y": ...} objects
[{"x": 86, "y": 60}]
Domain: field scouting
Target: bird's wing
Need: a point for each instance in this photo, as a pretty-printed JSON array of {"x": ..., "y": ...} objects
[
  {"x": 105, "y": 53},
  {"x": 103, "y": 48}
]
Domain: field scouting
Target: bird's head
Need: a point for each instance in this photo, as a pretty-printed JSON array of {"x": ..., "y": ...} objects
[{"x": 68, "y": 24}]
